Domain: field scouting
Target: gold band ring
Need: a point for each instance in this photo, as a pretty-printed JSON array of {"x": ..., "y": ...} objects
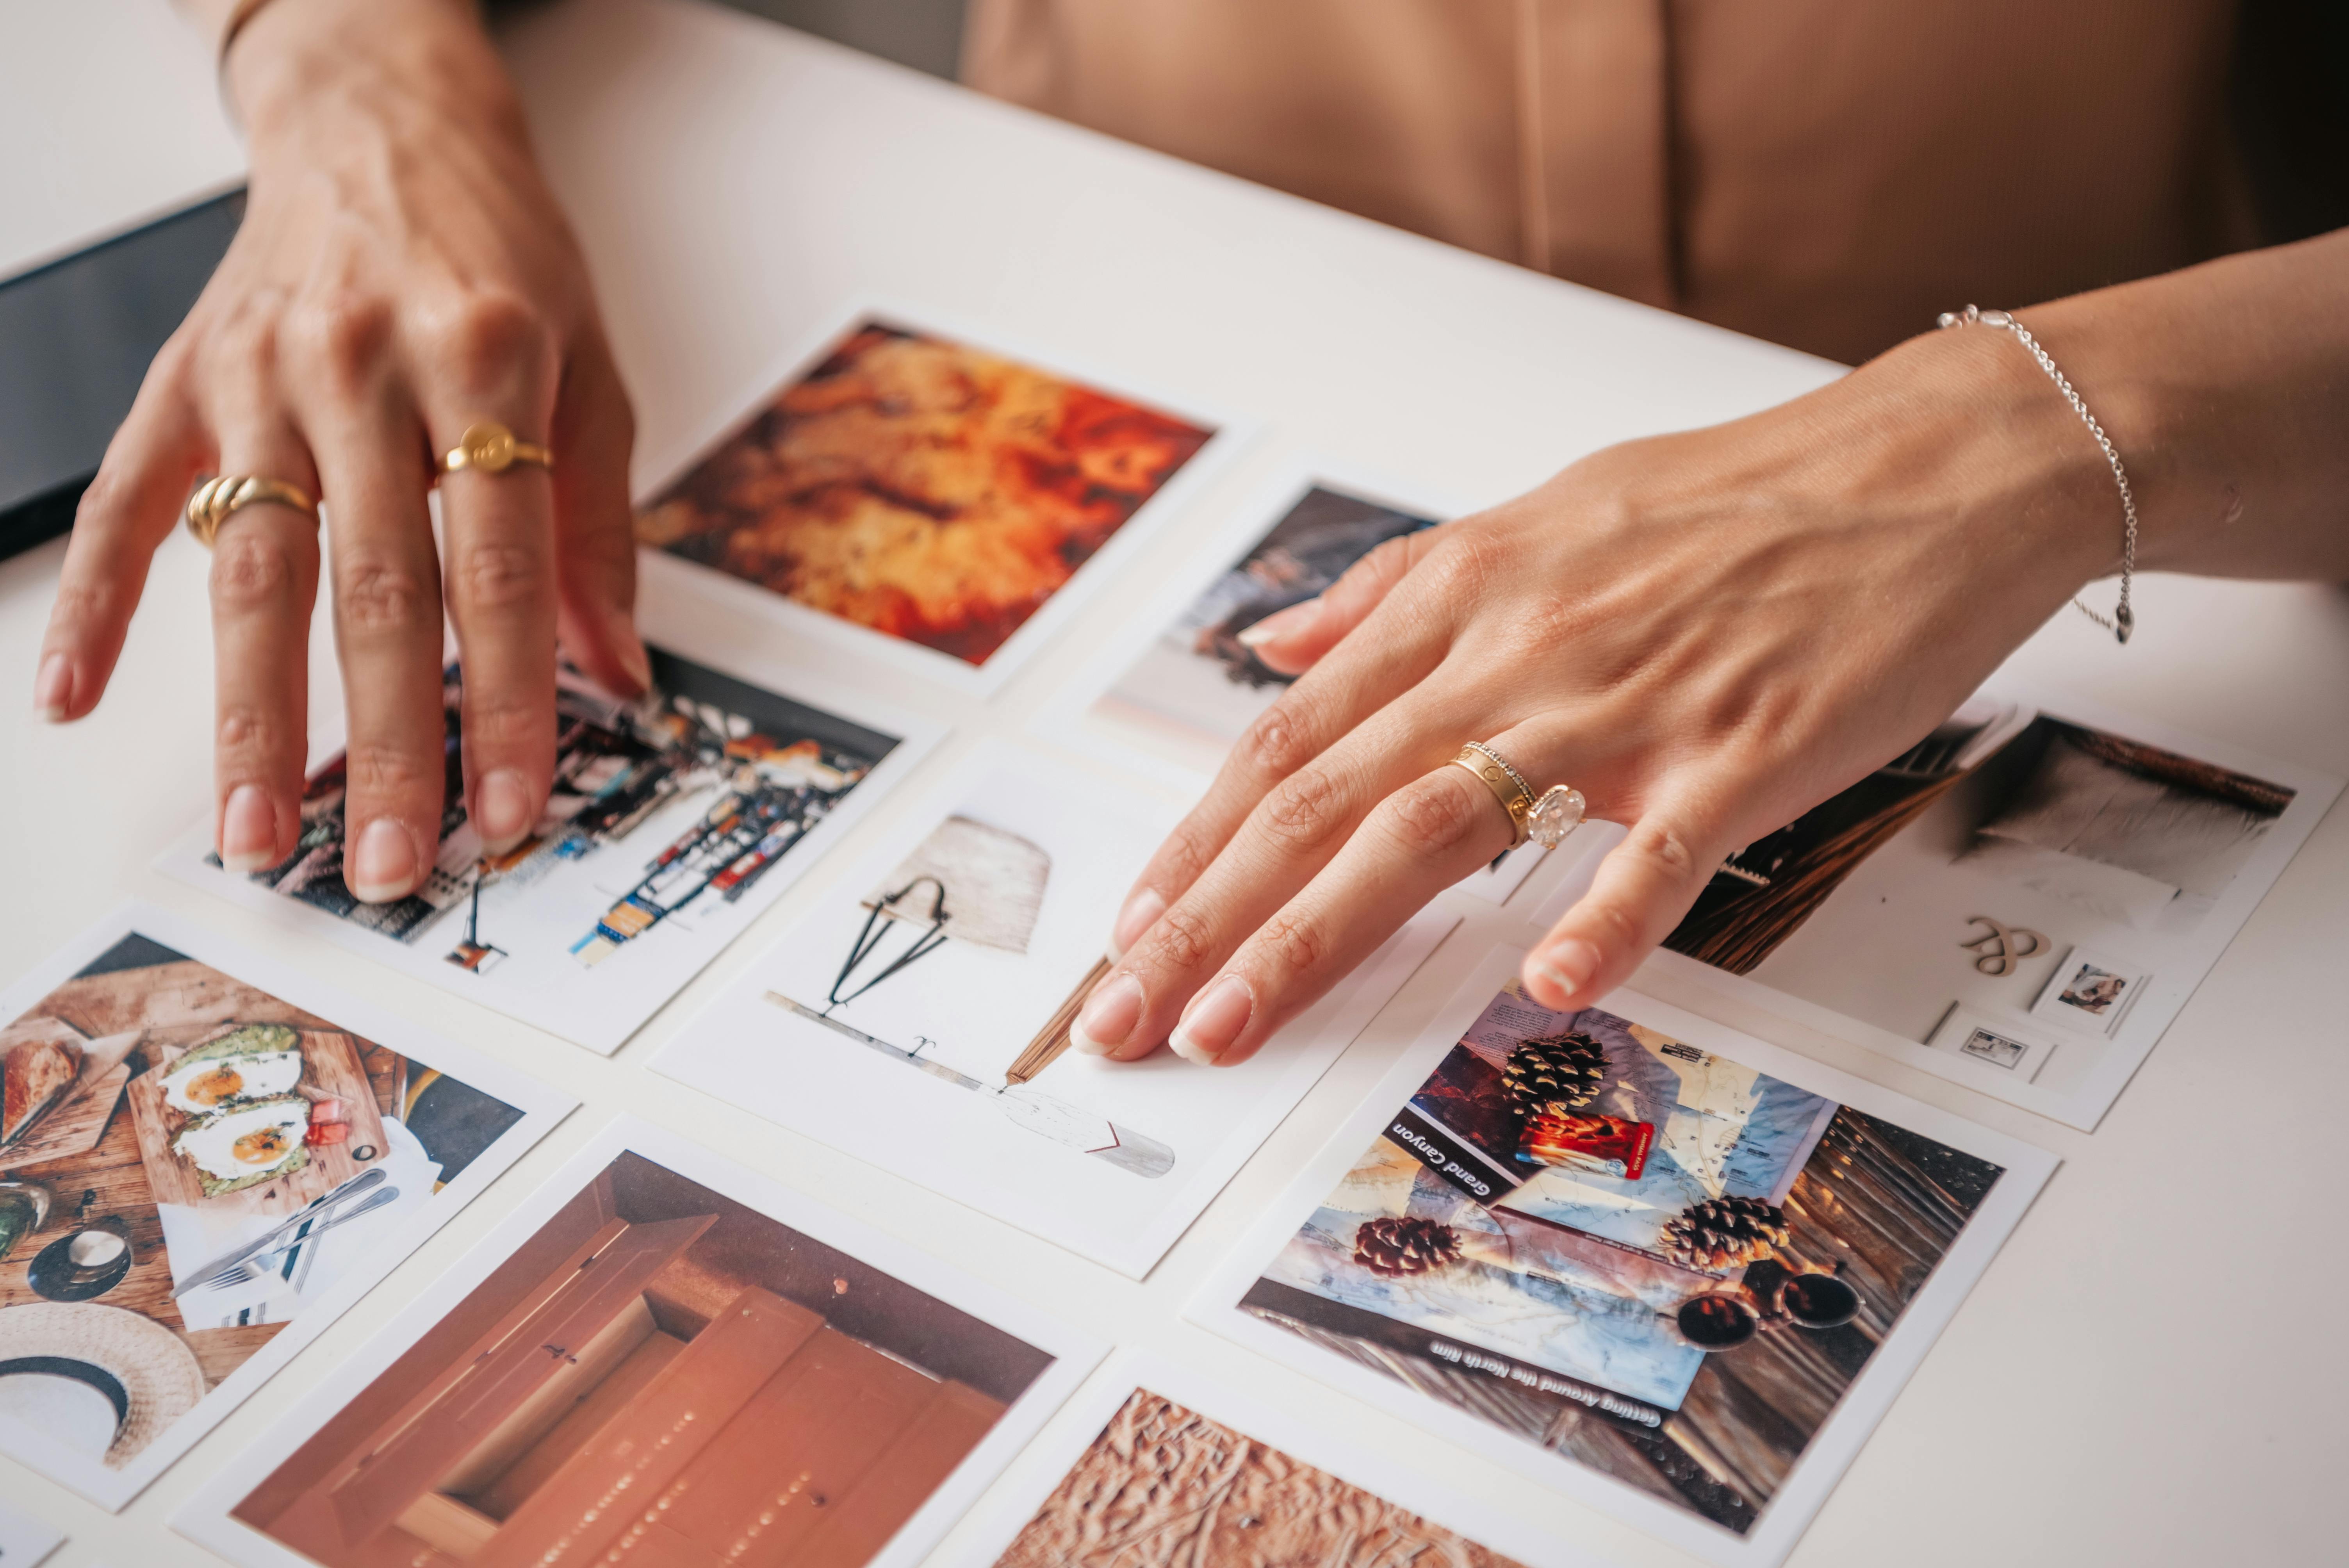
[
  {"x": 492, "y": 449},
  {"x": 222, "y": 494},
  {"x": 1546, "y": 818}
]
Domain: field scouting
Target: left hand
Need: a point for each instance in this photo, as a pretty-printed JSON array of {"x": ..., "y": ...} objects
[{"x": 1706, "y": 634}]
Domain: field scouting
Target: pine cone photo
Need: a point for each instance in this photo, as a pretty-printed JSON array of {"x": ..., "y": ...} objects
[
  {"x": 1398, "y": 1247},
  {"x": 1555, "y": 1073},
  {"x": 1722, "y": 1234}
]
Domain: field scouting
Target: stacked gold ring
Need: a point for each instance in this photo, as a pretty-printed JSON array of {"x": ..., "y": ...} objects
[
  {"x": 491, "y": 448},
  {"x": 1545, "y": 819},
  {"x": 219, "y": 496}
]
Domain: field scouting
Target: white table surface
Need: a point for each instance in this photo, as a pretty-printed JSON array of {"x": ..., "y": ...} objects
[
  {"x": 108, "y": 120},
  {"x": 2123, "y": 1387}
]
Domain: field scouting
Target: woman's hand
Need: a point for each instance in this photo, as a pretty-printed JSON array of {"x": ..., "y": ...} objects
[
  {"x": 402, "y": 272},
  {"x": 1706, "y": 634}
]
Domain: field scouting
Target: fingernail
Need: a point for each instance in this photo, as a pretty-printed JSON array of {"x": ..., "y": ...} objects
[
  {"x": 1214, "y": 1022},
  {"x": 502, "y": 807},
  {"x": 637, "y": 664},
  {"x": 53, "y": 688},
  {"x": 1140, "y": 914},
  {"x": 382, "y": 864},
  {"x": 1108, "y": 1016},
  {"x": 1286, "y": 622},
  {"x": 248, "y": 835},
  {"x": 1569, "y": 965}
]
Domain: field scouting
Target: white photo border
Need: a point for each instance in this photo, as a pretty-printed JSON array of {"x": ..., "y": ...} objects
[
  {"x": 1781, "y": 1524},
  {"x": 206, "y": 1520},
  {"x": 1231, "y": 432},
  {"x": 667, "y": 623},
  {"x": 542, "y": 1108}
]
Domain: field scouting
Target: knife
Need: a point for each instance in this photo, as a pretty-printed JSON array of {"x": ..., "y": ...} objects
[{"x": 211, "y": 1273}]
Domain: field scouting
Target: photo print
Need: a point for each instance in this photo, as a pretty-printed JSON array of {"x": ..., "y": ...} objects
[
  {"x": 197, "y": 1174},
  {"x": 924, "y": 491},
  {"x": 1638, "y": 1256},
  {"x": 1965, "y": 871},
  {"x": 2017, "y": 1047},
  {"x": 2089, "y": 991},
  {"x": 1197, "y": 684},
  {"x": 918, "y": 1018},
  {"x": 1156, "y": 1465},
  {"x": 660, "y": 1358},
  {"x": 672, "y": 822}
]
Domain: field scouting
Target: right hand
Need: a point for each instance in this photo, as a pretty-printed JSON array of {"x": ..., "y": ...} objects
[{"x": 402, "y": 272}]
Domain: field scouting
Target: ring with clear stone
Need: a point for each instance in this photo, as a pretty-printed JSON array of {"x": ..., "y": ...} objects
[{"x": 1546, "y": 818}]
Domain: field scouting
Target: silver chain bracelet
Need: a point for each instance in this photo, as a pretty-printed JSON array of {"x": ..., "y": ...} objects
[{"x": 2123, "y": 620}]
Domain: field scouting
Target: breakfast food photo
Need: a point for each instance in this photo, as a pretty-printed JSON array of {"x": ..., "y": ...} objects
[{"x": 239, "y": 1167}]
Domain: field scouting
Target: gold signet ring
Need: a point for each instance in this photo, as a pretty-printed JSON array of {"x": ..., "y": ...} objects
[
  {"x": 222, "y": 494},
  {"x": 492, "y": 449}
]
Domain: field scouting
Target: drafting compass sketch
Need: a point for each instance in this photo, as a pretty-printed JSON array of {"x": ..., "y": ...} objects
[{"x": 978, "y": 884}]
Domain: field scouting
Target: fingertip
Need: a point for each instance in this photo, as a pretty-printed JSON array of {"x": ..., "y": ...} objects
[
  {"x": 1558, "y": 974},
  {"x": 634, "y": 659},
  {"x": 608, "y": 652},
  {"x": 1143, "y": 908},
  {"x": 1283, "y": 641},
  {"x": 384, "y": 864},
  {"x": 504, "y": 808},
  {"x": 1215, "y": 1021},
  {"x": 1133, "y": 1050},
  {"x": 53, "y": 689},
  {"x": 248, "y": 829},
  {"x": 1104, "y": 1026}
]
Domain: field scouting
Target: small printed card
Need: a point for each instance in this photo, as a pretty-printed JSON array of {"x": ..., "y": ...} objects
[
  {"x": 2034, "y": 855},
  {"x": 917, "y": 1018},
  {"x": 1640, "y": 1257}
]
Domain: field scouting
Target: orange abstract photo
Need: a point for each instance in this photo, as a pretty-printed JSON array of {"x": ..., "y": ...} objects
[{"x": 924, "y": 488}]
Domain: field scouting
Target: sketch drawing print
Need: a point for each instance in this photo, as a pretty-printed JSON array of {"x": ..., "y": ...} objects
[
  {"x": 975, "y": 882},
  {"x": 917, "y": 1015}
]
